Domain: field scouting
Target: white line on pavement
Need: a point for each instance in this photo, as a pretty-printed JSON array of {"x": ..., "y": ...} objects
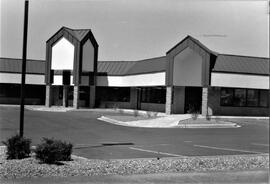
[
  {"x": 259, "y": 144},
  {"x": 157, "y": 152},
  {"x": 227, "y": 149}
]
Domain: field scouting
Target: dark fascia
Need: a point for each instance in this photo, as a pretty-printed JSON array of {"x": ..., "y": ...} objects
[
  {"x": 89, "y": 35},
  {"x": 56, "y": 33},
  {"x": 39, "y": 60},
  {"x": 32, "y": 73},
  {"x": 196, "y": 41},
  {"x": 137, "y": 73},
  {"x": 63, "y": 28}
]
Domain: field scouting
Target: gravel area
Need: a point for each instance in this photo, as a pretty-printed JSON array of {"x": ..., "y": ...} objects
[{"x": 30, "y": 167}]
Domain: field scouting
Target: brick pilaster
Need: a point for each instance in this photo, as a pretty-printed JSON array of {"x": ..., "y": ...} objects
[
  {"x": 48, "y": 98},
  {"x": 76, "y": 97},
  {"x": 168, "y": 107},
  {"x": 204, "y": 101},
  {"x": 65, "y": 96}
]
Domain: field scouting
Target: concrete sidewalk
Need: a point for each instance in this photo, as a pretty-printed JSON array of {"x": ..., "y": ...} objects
[
  {"x": 248, "y": 176},
  {"x": 171, "y": 121}
]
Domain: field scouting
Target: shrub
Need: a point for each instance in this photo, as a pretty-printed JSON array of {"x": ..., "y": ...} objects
[
  {"x": 208, "y": 117},
  {"x": 136, "y": 113},
  {"x": 51, "y": 151},
  {"x": 17, "y": 147},
  {"x": 194, "y": 115}
]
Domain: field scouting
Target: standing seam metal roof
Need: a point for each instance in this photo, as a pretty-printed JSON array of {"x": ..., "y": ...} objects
[
  {"x": 133, "y": 67},
  {"x": 241, "y": 64},
  {"x": 224, "y": 63},
  {"x": 14, "y": 66}
]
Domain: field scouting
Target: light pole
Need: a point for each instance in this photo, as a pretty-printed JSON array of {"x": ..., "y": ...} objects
[{"x": 24, "y": 53}]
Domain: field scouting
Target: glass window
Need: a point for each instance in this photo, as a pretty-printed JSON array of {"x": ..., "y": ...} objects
[
  {"x": 84, "y": 93},
  {"x": 60, "y": 92},
  {"x": 252, "y": 97},
  {"x": 70, "y": 92},
  {"x": 154, "y": 95},
  {"x": 226, "y": 96},
  {"x": 264, "y": 94},
  {"x": 121, "y": 94},
  {"x": 239, "y": 97}
]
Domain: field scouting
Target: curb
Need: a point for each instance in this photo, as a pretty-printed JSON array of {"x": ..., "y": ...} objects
[{"x": 231, "y": 125}]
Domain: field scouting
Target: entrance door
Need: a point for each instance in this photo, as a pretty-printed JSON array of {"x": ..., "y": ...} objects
[{"x": 193, "y": 99}]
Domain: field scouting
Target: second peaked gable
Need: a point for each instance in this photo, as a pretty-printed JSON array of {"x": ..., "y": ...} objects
[{"x": 178, "y": 54}]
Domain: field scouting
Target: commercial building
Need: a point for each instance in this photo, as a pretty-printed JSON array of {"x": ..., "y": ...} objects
[{"x": 189, "y": 78}]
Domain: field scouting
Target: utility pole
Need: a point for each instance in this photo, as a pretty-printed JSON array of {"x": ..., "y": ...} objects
[{"x": 24, "y": 53}]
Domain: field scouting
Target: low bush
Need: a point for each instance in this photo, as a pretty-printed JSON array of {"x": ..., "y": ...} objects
[
  {"x": 17, "y": 147},
  {"x": 208, "y": 117},
  {"x": 195, "y": 115},
  {"x": 52, "y": 151}
]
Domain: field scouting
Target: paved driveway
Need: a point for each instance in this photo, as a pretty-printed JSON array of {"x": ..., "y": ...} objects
[{"x": 96, "y": 139}]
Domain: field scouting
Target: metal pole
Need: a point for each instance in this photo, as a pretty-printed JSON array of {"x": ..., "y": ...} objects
[{"x": 24, "y": 53}]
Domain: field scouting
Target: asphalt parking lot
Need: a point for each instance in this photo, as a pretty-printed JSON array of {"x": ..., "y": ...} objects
[{"x": 100, "y": 140}]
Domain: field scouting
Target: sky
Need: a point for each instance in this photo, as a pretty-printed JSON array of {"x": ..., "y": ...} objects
[{"x": 139, "y": 29}]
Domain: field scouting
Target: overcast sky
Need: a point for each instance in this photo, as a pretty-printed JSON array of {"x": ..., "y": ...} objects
[{"x": 139, "y": 29}]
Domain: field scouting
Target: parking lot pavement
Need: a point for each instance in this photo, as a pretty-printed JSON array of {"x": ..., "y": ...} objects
[{"x": 100, "y": 140}]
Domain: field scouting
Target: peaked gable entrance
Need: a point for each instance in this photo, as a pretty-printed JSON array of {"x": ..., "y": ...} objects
[{"x": 178, "y": 52}]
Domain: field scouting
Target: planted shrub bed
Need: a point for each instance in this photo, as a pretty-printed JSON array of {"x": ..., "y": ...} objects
[{"x": 52, "y": 151}]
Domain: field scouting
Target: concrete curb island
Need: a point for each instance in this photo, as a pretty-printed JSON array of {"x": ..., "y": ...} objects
[{"x": 163, "y": 122}]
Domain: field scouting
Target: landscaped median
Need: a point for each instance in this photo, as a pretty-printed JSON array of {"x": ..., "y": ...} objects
[{"x": 30, "y": 167}]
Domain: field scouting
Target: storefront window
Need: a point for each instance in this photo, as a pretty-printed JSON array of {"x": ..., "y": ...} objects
[
  {"x": 252, "y": 97},
  {"x": 226, "y": 96},
  {"x": 113, "y": 94},
  {"x": 264, "y": 94},
  {"x": 244, "y": 97},
  {"x": 154, "y": 95},
  {"x": 239, "y": 97}
]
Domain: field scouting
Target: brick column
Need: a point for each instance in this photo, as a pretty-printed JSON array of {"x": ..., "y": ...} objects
[
  {"x": 204, "y": 101},
  {"x": 65, "y": 96},
  {"x": 168, "y": 107},
  {"x": 92, "y": 97},
  {"x": 48, "y": 100},
  {"x": 76, "y": 97}
]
